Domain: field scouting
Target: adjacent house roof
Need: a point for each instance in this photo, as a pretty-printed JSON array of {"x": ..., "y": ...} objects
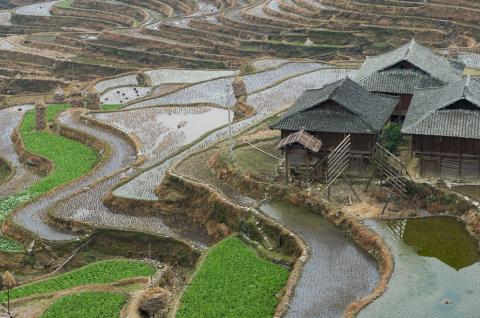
[
  {"x": 303, "y": 138},
  {"x": 378, "y": 73},
  {"x": 362, "y": 111},
  {"x": 430, "y": 114}
]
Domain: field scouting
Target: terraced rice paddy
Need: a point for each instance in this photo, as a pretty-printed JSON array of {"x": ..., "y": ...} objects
[
  {"x": 265, "y": 102},
  {"x": 23, "y": 176},
  {"x": 218, "y": 36},
  {"x": 164, "y": 70},
  {"x": 163, "y": 130},
  {"x": 37, "y": 9}
]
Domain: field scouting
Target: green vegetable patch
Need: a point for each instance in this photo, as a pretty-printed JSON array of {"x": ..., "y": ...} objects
[
  {"x": 71, "y": 159},
  {"x": 233, "y": 281},
  {"x": 10, "y": 246},
  {"x": 105, "y": 272},
  {"x": 87, "y": 305}
]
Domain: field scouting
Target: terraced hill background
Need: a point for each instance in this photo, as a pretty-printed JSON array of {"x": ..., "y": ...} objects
[{"x": 47, "y": 43}]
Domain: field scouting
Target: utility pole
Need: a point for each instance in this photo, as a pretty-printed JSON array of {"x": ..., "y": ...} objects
[
  {"x": 229, "y": 111},
  {"x": 150, "y": 258}
]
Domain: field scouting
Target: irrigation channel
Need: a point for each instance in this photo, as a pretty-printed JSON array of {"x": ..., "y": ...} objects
[
  {"x": 437, "y": 270},
  {"x": 336, "y": 273}
]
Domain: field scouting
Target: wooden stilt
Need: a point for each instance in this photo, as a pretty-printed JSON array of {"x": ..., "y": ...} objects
[
  {"x": 307, "y": 166},
  {"x": 351, "y": 187},
  {"x": 329, "y": 193},
  {"x": 286, "y": 167},
  {"x": 386, "y": 203},
  {"x": 370, "y": 180}
]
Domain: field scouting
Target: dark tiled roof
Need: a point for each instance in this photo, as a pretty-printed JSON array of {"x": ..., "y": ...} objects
[
  {"x": 398, "y": 81},
  {"x": 365, "y": 112},
  {"x": 428, "y": 113},
  {"x": 439, "y": 68}
]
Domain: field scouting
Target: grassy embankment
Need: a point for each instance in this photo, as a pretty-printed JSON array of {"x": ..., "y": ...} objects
[
  {"x": 233, "y": 281},
  {"x": 104, "y": 272},
  {"x": 71, "y": 160},
  {"x": 87, "y": 305}
]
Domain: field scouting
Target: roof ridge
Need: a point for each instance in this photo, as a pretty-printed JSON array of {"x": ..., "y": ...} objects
[
  {"x": 358, "y": 112},
  {"x": 465, "y": 87}
]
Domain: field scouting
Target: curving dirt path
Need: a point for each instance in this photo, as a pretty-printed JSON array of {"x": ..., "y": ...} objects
[{"x": 24, "y": 176}]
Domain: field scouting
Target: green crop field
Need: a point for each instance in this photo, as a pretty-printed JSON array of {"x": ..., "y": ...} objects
[
  {"x": 10, "y": 246},
  {"x": 87, "y": 305},
  {"x": 233, "y": 281},
  {"x": 71, "y": 159},
  {"x": 104, "y": 272}
]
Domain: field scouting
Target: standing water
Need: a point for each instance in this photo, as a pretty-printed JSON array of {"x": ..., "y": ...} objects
[
  {"x": 336, "y": 273},
  {"x": 437, "y": 270}
]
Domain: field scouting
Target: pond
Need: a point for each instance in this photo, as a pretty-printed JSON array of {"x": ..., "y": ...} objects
[
  {"x": 336, "y": 273},
  {"x": 437, "y": 270}
]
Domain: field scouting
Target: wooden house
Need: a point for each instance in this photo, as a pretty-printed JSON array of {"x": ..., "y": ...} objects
[
  {"x": 404, "y": 69},
  {"x": 445, "y": 126},
  {"x": 330, "y": 114}
]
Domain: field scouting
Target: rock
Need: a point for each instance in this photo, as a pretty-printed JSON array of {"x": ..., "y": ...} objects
[{"x": 155, "y": 301}]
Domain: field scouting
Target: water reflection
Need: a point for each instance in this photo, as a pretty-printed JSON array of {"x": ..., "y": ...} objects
[
  {"x": 443, "y": 238},
  {"x": 437, "y": 270}
]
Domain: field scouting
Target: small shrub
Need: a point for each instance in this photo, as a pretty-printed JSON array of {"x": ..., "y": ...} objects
[{"x": 391, "y": 137}]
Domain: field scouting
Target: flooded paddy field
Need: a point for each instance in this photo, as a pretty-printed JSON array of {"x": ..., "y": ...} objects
[
  {"x": 337, "y": 272},
  {"x": 437, "y": 270}
]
